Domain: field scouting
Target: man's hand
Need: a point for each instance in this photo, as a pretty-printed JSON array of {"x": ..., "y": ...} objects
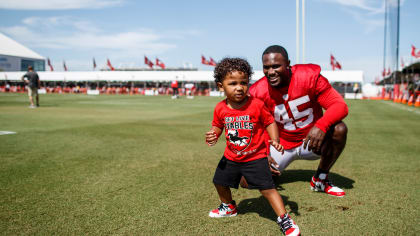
[
  {"x": 273, "y": 166},
  {"x": 211, "y": 138},
  {"x": 314, "y": 139}
]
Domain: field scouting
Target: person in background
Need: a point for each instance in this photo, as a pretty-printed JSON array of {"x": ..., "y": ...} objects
[
  {"x": 174, "y": 86},
  {"x": 31, "y": 79}
]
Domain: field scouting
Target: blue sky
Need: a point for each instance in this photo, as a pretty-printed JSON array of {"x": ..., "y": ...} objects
[{"x": 179, "y": 32}]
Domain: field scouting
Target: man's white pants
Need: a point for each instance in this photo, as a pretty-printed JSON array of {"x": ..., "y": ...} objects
[{"x": 297, "y": 153}]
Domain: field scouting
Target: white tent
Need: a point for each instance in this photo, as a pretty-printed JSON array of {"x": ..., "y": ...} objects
[
  {"x": 10, "y": 47},
  {"x": 194, "y": 76},
  {"x": 344, "y": 76},
  {"x": 16, "y": 57}
]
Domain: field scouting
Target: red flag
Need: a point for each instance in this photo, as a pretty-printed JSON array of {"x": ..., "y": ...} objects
[
  {"x": 212, "y": 62},
  {"x": 108, "y": 63},
  {"x": 337, "y": 65},
  {"x": 414, "y": 53},
  {"x": 384, "y": 73},
  {"x": 389, "y": 71},
  {"x": 49, "y": 64},
  {"x": 334, "y": 63},
  {"x": 64, "y": 65},
  {"x": 148, "y": 62},
  {"x": 94, "y": 64},
  {"x": 204, "y": 61},
  {"x": 160, "y": 63}
]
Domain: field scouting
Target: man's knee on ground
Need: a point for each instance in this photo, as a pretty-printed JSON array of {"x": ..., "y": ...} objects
[{"x": 340, "y": 131}]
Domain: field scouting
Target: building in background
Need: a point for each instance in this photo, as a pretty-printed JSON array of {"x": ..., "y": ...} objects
[{"x": 16, "y": 57}]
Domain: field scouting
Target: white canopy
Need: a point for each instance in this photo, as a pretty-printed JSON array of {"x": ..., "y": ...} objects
[
  {"x": 345, "y": 76},
  {"x": 194, "y": 76},
  {"x": 10, "y": 47}
]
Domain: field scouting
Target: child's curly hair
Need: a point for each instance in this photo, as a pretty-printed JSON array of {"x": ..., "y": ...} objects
[{"x": 228, "y": 65}]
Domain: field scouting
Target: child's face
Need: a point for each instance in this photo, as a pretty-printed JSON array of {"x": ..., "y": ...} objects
[{"x": 235, "y": 86}]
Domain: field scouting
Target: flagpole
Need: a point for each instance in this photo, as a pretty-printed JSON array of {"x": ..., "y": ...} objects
[
  {"x": 398, "y": 40},
  {"x": 303, "y": 31},
  {"x": 297, "y": 32},
  {"x": 385, "y": 26}
]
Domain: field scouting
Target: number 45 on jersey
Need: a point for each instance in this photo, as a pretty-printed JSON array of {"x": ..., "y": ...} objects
[{"x": 290, "y": 123}]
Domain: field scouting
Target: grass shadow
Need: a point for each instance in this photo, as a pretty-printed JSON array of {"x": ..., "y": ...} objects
[
  {"x": 262, "y": 207},
  {"x": 290, "y": 176}
]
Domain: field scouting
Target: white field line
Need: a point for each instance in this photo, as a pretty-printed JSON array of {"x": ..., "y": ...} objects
[
  {"x": 403, "y": 107},
  {"x": 7, "y": 132}
]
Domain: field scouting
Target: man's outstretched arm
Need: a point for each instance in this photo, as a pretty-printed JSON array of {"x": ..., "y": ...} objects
[{"x": 335, "y": 110}]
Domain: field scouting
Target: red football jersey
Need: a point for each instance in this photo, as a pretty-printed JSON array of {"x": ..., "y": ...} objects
[
  {"x": 298, "y": 107},
  {"x": 244, "y": 129}
]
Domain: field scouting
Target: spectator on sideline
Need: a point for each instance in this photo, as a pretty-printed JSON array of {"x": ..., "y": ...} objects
[
  {"x": 244, "y": 120},
  {"x": 355, "y": 90},
  {"x": 174, "y": 86},
  {"x": 189, "y": 90},
  {"x": 295, "y": 95},
  {"x": 33, "y": 82}
]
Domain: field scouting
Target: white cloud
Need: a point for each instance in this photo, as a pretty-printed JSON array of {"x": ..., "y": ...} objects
[
  {"x": 59, "y": 23},
  {"x": 57, "y": 4},
  {"x": 142, "y": 40},
  {"x": 371, "y": 6},
  {"x": 369, "y": 13},
  {"x": 63, "y": 33}
]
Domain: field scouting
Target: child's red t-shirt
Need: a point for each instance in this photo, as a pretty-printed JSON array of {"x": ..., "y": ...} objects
[{"x": 244, "y": 129}]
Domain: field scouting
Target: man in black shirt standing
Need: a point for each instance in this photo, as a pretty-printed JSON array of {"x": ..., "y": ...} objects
[{"x": 33, "y": 82}]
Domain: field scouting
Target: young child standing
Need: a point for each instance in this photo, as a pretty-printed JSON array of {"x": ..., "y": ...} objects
[{"x": 244, "y": 119}]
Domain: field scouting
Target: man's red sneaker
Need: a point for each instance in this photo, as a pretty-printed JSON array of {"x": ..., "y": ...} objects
[{"x": 319, "y": 185}]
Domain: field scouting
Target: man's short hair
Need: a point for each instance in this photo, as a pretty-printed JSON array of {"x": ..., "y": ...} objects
[
  {"x": 276, "y": 49},
  {"x": 30, "y": 68}
]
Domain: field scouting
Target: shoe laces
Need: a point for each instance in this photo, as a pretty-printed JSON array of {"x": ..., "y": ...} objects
[
  {"x": 225, "y": 207},
  {"x": 328, "y": 182},
  {"x": 285, "y": 223},
  {"x": 324, "y": 181}
]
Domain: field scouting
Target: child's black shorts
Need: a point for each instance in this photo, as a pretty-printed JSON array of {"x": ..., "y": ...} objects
[{"x": 257, "y": 173}]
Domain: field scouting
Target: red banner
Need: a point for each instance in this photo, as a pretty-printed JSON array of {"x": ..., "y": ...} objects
[
  {"x": 49, "y": 64},
  {"x": 160, "y": 63},
  {"x": 148, "y": 62},
  {"x": 108, "y": 63}
]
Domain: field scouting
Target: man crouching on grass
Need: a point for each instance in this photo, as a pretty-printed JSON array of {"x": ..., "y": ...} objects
[{"x": 244, "y": 119}]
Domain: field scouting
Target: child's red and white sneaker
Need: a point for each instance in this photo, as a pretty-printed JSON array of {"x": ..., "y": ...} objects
[
  {"x": 224, "y": 210},
  {"x": 288, "y": 226}
]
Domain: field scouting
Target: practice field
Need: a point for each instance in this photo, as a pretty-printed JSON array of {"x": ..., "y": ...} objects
[{"x": 138, "y": 165}]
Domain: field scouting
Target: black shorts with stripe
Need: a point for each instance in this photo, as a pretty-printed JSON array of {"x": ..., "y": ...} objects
[{"x": 257, "y": 174}]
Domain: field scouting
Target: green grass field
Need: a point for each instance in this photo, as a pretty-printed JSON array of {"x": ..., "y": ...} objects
[{"x": 138, "y": 165}]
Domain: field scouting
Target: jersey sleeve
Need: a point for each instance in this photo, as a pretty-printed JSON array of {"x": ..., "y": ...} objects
[
  {"x": 217, "y": 119},
  {"x": 266, "y": 117},
  {"x": 335, "y": 107}
]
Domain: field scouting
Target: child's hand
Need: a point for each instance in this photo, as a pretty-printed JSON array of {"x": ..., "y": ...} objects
[
  {"x": 211, "y": 138},
  {"x": 276, "y": 145}
]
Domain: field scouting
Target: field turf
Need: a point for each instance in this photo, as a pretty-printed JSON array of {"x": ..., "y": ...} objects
[{"x": 138, "y": 165}]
